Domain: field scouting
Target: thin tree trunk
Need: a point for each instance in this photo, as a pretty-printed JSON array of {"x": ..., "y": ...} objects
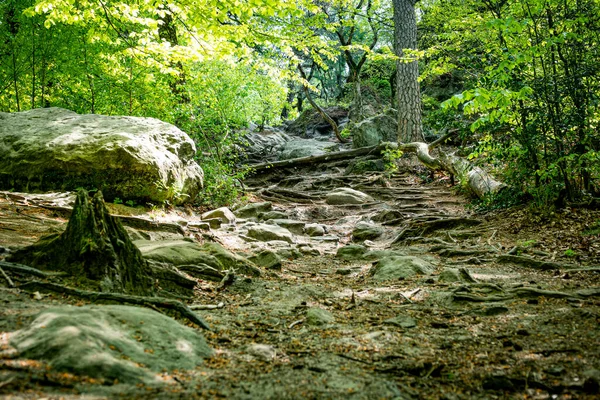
[{"x": 408, "y": 93}]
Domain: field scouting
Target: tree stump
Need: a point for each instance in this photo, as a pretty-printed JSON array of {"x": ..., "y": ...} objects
[{"x": 94, "y": 246}]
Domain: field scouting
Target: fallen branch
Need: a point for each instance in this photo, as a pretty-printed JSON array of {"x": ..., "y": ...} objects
[
  {"x": 339, "y": 155},
  {"x": 158, "y": 302}
]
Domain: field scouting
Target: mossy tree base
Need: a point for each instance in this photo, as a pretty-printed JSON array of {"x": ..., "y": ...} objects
[{"x": 94, "y": 246}]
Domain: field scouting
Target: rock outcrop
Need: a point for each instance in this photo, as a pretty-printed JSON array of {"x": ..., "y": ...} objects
[
  {"x": 131, "y": 158},
  {"x": 374, "y": 130}
]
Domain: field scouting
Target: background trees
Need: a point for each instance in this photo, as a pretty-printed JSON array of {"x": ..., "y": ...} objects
[{"x": 518, "y": 79}]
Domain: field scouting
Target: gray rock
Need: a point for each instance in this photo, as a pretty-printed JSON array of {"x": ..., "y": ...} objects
[
  {"x": 214, "y": 223},
  {"x": 100, "y": 342},
  {"x": 289, "y": 253},
  {"x": 374, "y": 130},
  {"x": 309, "y": 250},
  {"x": 253, "y": 209},
  {"x": 204, "y": 226},
  {"x": 263, "y": 352},
  {"x": 132, "y": 158},
  {"x": 449, "y": 275},
  {"x": 267, "y": 259},
  {"x": 183, "y": 252},
  {"x": 272, "y": 215},
  {"x": 318, "y": 316},
  {"x": 260, "y": 145},
  {"x": 297, "y": 148},
  {"x": 224, "y": 214},
  {"x": 400, "y": 267},
  {"x": 265, "y": 233},
  {"x": 402, "y": 321},
  {"x": 296, "y": 227},
  {"x": 351, "y": 252},
  {"x": 365, "y": 231},
  {"x": 314, "y": 230},
  {"x": 340, "y": 196}
]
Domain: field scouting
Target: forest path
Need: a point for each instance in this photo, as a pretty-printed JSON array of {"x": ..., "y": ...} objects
[{"x": 495, "y": 309}]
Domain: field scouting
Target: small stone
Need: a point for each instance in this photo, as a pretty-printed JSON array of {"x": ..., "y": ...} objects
[
  {"x": 344, "y": 271},
  {"x": 402, "y": 321},
  {"x": 272, "y": 215},
  {"x": 318, "y": 316},
  {"x": 267, "y": 259},
  {"x": 351, "y": 252},
  {"x": 214, "y": 223},
  {"x": 263, "y": 352},
  {"x": 296, "y": 227},
  {"x": 314, "y": 230},
  {"x": 253, "y": 209},
  {"x": 365, "y": 231},
  {"x": 342, "y": 196},
  {"x": 224, "y": 214},
  {"x": 400, "y": 267}
]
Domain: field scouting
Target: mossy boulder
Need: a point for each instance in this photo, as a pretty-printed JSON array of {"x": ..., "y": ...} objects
[
  {"x": 183, "y": 252},
  {"x": 111, "y": 342},
  {"x": 400, "y": 267},
  {"x": 131, "y": 158}
]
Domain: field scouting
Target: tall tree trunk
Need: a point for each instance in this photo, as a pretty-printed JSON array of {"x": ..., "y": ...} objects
[{"x": 408, "y": 94}]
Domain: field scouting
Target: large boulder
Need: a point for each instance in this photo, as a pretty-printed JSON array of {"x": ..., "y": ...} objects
[
  {"x": 374, "y": 130},
  {"x": 129, "y": 344},
  {"x": 132, "y": 158}
]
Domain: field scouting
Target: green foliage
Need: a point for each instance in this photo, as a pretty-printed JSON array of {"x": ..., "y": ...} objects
[
  {"x": 593, "y": 230},
  {"x": 390, "y": 159},
  {"x": 570, "y": 253},
  {"x": 529, "y": 90}
]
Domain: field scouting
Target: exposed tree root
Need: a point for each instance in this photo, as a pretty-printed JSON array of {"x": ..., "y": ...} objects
[
  {"x": 153, "y": 302},
  {"x": 530, "y": 262},
  {"x": 26, "y": 270},
  {"x": 7, "y": 278},
  {"x": 525, "y": 293},
  {"x": 426, "y": 227}
]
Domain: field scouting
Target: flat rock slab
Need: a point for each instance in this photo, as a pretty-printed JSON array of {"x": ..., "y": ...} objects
[
  {"x": 365, "y": 231},
  {"x": 400, "y": 267},
  {"x": 252, "y": 210},
  {"x": 130, "y": 344},
  {"x": 130, "y": 158},
  {"x": 183, "y": 252},
  {"x": 266, "y": 233},
  {"x": 341, "y": 196},
  {"x": 298, "y": 148}
]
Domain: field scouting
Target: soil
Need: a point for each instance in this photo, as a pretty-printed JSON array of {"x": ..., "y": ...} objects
[{"x": 517, "y": 329}]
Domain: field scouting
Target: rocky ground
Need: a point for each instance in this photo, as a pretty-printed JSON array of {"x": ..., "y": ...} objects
[{"x": 371, "y": 286}]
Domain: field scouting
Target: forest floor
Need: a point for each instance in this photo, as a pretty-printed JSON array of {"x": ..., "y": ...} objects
[{"x": 511, "y": 310}]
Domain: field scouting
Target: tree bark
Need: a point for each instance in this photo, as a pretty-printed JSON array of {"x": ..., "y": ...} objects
[
  {"x": 94, "y": 246},
  {"x": 408, "y": 93}
]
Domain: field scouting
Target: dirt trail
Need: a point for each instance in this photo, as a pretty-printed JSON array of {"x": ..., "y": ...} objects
[{"x": 502, "y": 313}]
